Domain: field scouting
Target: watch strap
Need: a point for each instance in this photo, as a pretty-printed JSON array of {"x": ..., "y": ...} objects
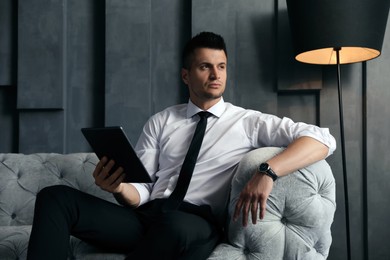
[{"x": 267, "y": 170}]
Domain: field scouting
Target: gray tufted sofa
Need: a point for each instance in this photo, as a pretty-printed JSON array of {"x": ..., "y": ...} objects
[{"x": 297, "y": 224}]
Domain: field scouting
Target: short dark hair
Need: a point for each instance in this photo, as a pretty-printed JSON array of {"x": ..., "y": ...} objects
[{"x": 202, "y": 40}]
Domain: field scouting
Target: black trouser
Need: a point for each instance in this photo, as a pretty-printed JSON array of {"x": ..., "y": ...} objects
[{"x": 143, "y": 233}]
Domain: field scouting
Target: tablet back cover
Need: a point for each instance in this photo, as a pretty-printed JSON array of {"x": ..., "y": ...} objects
[{"x": 113, "y": 143}]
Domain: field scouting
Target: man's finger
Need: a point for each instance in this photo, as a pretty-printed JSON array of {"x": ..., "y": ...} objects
[
  {"x": 254, "y": 207},
  {"x": 117, "y": 182},
  {"x": 245, "y": 211},
  {"x": 114, "y": 176},
  {"x": 263, "y": 205},
  {"x": 99, "y": 167}
]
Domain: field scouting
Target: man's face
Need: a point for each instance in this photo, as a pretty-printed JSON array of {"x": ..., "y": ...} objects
[{"x": 206, "y": 77}]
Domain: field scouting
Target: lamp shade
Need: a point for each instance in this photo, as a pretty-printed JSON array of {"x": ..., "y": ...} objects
[{"x": 355, "y": 27}]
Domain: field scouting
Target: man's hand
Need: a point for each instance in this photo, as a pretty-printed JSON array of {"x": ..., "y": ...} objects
[
  {"x": 255, "y": 193},
  {"x": 105, "y": 180}
]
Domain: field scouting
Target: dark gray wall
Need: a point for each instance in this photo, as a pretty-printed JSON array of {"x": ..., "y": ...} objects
[{"x": 67, "y": 64}]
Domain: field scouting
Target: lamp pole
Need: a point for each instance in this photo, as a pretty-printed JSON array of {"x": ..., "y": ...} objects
[{"x": 341, "y": 116}]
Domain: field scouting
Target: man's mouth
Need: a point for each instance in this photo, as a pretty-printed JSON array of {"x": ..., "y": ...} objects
[{"x": 214, "y": 84}]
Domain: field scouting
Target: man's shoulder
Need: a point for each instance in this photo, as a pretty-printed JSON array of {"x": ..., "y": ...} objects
[{"x": 237, "y": 109}]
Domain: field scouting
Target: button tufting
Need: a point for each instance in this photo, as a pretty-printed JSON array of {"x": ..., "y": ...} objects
[
  {"x": 246, "y": 251},
  {"x": 13, "y": 216},
  {"x": 284, "y": 220}
]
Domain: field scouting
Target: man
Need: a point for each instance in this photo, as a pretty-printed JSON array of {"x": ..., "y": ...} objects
[{"x": 145, "y": 227}]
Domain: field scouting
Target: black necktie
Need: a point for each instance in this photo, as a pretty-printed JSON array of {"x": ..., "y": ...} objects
[{"x": 177, "y": 196}]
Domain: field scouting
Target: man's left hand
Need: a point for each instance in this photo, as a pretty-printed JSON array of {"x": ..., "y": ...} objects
[{"x": 255, "y": 193}]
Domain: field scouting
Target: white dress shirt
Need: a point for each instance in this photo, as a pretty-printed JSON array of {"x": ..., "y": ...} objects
[{"x": 231, "y": 133}]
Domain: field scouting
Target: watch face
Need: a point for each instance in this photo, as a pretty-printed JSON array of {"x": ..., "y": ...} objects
[{"x": 263, "y": 167}]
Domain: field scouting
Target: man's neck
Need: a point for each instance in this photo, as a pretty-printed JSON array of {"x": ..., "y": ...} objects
[{"x": 206, "y": 104}]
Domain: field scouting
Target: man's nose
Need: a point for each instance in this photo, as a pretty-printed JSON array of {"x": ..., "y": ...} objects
[{"x": 214, "y": 73}]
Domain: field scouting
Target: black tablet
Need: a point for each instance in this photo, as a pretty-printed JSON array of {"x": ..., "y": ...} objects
[{"x": 113, "y": 143}]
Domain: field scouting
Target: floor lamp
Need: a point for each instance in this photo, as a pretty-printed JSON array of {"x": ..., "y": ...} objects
[{"x": 335, "y": 32}]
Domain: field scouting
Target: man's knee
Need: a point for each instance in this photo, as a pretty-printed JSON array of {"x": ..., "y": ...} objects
[
  {"x": 52, "y": 197},
  {"x": 51, "y": 191}
]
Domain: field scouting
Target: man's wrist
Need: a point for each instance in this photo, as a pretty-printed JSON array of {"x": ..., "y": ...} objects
[{"x": 266, "y": 169}]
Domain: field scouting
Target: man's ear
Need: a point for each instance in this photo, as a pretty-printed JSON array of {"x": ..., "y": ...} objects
[{"x": 184, "y": 75}]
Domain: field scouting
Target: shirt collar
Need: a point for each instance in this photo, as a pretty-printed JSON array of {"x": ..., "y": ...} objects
[{"x": 217, "y": 110}]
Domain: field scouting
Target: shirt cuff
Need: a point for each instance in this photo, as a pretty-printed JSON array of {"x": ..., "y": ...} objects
[
  {"x": 144, "y": 193},
  {"x": 324, "y": 137}
]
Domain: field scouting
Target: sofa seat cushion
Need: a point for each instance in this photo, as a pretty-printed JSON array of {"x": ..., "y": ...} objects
[
  {"x": 14, "y": 244},
  {"x": 299, "y": 215},
  {"x": 82, "y": 251}
]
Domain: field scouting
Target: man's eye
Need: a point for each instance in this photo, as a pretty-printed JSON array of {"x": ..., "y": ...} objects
[{"x": 203, "y": 67}]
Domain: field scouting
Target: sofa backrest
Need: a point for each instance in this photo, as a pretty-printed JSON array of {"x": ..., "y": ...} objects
[{"x": 23, "y": 176}]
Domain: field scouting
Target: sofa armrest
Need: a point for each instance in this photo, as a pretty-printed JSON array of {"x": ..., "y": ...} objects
[{"x": 299, "y": 215}]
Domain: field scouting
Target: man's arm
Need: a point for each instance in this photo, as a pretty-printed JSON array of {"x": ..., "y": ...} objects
[
  {"x": 300, "y": 153},
  {"x": 125, "y": 193}
]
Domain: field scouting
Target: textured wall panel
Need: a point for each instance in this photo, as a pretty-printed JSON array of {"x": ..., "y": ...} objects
[
  {"x": 299, "y": 107},
  {"x": 256, "y": 56},
  {"x": 170, "y": 29},
  {"x": 8, "y": 120},
  {"x": 128, "y": 82},
  {"x": 85, "y": 70},
  {"x": 41, "y": 131},
  {"x": 378, "y": 143},
  {"x": 40, "y": 53},
  {"x": 7, "y": 42}
]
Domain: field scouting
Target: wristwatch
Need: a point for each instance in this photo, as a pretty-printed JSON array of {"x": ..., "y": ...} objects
[{"x": 266, "y": 169}]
